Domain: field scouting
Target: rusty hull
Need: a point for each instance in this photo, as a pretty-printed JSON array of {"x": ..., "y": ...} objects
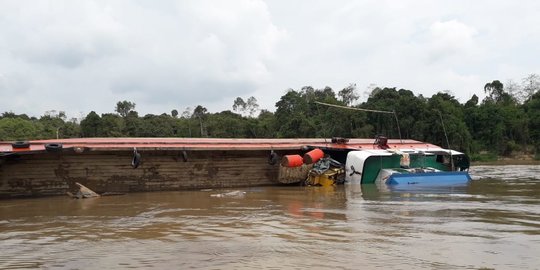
[{"x": 104, "y": 164}]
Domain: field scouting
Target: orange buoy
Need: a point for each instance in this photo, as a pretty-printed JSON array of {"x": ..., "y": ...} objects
[
  {"x": 313, "y": 156},
  {"x": 292, "y": 161}
]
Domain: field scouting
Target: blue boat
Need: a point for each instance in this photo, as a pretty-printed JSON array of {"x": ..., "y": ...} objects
[
  {"x": 408, "y": 168},
  {"x": 429, "y": 178}
]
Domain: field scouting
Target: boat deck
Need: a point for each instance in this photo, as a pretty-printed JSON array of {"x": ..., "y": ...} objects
[{"x": 119, "y": 144}]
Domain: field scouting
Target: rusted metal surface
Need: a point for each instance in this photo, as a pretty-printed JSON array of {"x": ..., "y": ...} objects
[
  {"x": 42, "y": 174},
  {"x": 115, "y": 144},
  {"x": 105, "y": 164}
]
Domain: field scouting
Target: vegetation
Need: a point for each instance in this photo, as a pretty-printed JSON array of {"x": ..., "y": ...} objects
[{"x": 506, "y": 122}]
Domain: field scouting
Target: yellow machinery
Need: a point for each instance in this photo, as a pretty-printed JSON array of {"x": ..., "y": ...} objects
[{"x": 327, "y": 178}]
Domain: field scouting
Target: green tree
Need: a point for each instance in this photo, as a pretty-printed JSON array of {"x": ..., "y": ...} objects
[
  {"x": 90, "y": 125},
  {"x": 299, "y": 114},
  {"x": 187, "y": 120},
  {"x": 70, "y": 129},
  {"x": 265, "y": 125},
  {"x": 496, "y": 93},
  {"x": 531, "y": 85},
  {"x": 472, "y": 117},
  {"x": 157, "y": 126},
  {"x": 348, "y": 94},
  {"x": 239, "y": 105},
  {"x": 249, "y": 107},
  {"x": 14, "y": 115},
  {"x": 252, "y": 106},
  {"x": 111, "y": 125},
  {"x": 532, "y": 108},
  {"x": 452, "y": 116},
  {"x": 133, "y": 125},
  {"x": 292, "y": 118},
  {"x": 200, "y": 114},
  {"x": 388, "y": 99},
  {"x": 52, "y": 123},
  {"x": 226, "y": 124},
  {"x": 18, "y": 129},
  {"x": 507, "y": 120},
  {"x": 124, "y": 107},
  {"x": 499, "y": 124}
]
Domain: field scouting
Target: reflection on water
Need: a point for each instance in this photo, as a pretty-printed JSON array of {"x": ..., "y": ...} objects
[{"x": 494, "y": 222}]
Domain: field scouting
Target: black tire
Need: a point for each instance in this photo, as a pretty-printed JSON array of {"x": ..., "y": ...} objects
[
  {"x": 136, "y": 161},
  {"x": 20, "y": 144},
  {"x": 273, "y": 158},
  {"x": 53, "y": 147}
]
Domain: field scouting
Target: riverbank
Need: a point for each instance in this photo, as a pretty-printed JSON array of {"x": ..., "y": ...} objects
[
  {"x": 506, "y": 162},
  {"x": 517, "y": 160}
]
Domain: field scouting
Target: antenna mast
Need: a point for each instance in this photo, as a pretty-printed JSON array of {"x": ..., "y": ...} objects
[{"x": 447, "y": 142}]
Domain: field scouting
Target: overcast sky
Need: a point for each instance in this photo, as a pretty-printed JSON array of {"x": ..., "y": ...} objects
[{"x": 79, "y": 56}]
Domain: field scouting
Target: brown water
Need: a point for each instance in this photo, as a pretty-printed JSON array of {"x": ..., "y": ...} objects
[{"x": 494, "y": 222}]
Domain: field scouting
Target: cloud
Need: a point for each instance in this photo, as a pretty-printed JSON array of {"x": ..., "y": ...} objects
[
  {"x": 450, "y": 38},
  {"x": 164, "y": 55},
  {"x": 173, "y": 53}
]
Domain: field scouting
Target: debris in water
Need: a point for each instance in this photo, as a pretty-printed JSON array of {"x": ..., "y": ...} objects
[
  {"x": 83, "y": 192},
  {"x": 232, "y": 194}
]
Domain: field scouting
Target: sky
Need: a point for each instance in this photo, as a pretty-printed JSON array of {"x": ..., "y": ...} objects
[{"x": 82, "y": 56}]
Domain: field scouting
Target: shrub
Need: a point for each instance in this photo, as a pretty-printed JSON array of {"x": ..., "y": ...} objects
[{"x": 484, "y": 157}]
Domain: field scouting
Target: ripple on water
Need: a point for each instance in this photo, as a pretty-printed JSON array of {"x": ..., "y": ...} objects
[{"x": 491, "y": 223}]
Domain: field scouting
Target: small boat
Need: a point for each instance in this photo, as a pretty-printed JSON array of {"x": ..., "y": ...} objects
[{"x": 407, "y": 167}]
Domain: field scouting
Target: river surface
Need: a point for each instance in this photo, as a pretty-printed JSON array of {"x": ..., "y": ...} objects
[{"x": 491, "y": 223}]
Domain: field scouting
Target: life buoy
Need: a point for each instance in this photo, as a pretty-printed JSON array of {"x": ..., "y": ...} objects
[
  {"x": 136, "y": 161},
  {"x": 273, "y": 158},
  {"x": 53, "y": 147},
  {"x": 20, "y": 144}
]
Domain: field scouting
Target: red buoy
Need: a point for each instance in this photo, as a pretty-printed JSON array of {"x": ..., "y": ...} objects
[
  {"x": 292, "y": 161},
  {"x": 313, "y": 156}
]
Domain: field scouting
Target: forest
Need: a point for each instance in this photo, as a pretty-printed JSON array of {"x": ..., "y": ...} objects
[{"x": 504, "y": 123}]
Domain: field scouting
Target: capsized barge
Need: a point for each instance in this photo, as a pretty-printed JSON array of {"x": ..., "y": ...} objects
[{"x": 121, "y": 165}]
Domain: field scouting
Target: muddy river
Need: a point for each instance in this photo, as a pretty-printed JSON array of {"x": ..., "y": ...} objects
[{"x": 491, "y": 223}]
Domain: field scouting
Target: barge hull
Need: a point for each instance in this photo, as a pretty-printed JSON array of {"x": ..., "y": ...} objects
[
  {"x": 167, "y": 164},
  {"x": 56, "y": 173}
]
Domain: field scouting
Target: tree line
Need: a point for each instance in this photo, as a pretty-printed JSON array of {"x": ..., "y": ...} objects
[{"x": 505, "y": 122}]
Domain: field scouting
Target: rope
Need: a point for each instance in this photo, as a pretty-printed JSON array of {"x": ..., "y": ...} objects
[
  {"x": 351, "y": 108},
  {"x": 447, "y": 142},
  {"x": 365, "y": 110}
]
